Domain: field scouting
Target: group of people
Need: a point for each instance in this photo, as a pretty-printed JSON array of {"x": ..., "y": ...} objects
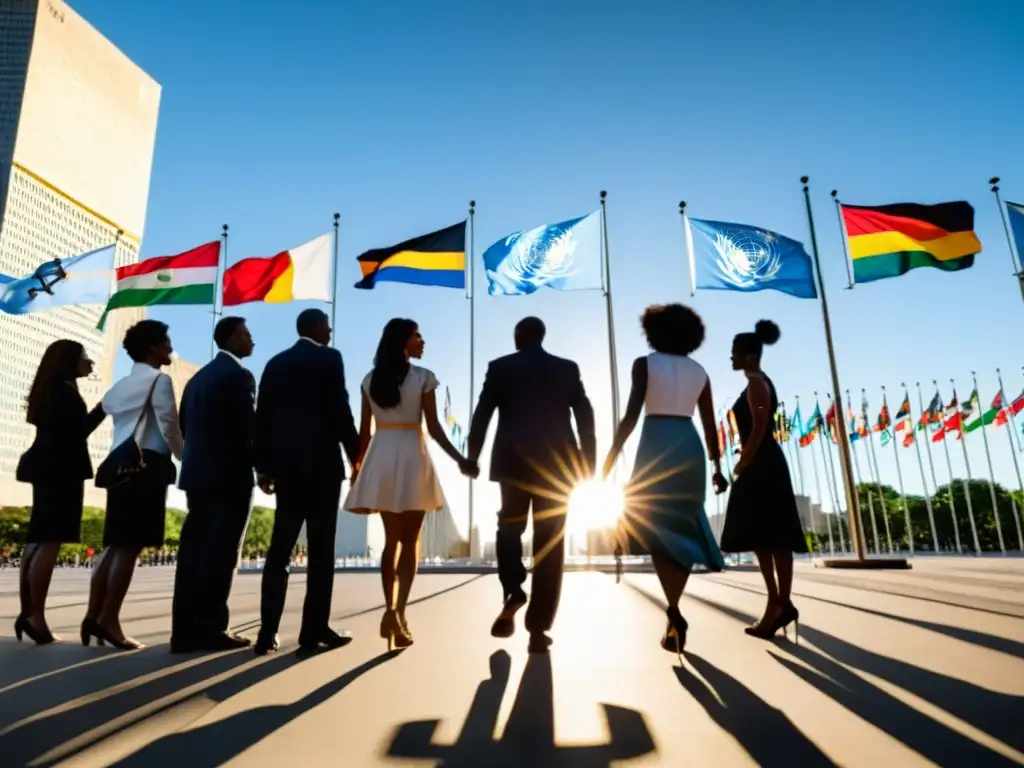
[{"x": 288, "y": 435}]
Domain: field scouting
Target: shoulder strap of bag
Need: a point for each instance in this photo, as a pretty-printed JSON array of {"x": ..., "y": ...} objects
[{"x": 145, "y": 407}]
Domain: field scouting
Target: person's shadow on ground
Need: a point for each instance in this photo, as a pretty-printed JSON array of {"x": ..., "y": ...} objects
[
  {"x": 219, "y": 742},
  {"x": 529, "y": 736}
]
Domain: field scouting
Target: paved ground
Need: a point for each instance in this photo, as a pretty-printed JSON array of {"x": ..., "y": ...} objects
[{"x": 897, "y": 668}]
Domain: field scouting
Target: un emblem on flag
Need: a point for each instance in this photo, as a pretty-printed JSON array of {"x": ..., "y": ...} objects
[
  {"x": 748, "y": 258},
  {"x": 48, "y": 275}
]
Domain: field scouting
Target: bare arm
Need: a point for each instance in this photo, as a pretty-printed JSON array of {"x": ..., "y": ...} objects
[
  {"x": 637, "y": 393},
  {"x": 365, "y": 425},
  {"x": 759, "y": 399},
  {"x": 485, "y": 408},
  {"x": 706, "y": 407},
  {"x": 583, "y": 412},
  {"x": 167, "y": 414},
  {"x": 434, "y": 428}
]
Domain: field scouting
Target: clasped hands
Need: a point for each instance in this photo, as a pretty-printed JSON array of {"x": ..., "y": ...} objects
[{"x": 469, "y": 467}]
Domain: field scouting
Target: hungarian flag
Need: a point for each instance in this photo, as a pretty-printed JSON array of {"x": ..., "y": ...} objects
[
  {"x": 903, "y": 414},
  {"x": 304, "y": 273},
  {"x": 187, "y": 278}
]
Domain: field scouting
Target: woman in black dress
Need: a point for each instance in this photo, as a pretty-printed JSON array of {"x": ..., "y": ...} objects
[
  {"x": 57, "y": 465},
  {"x": 761, "y": 516}
]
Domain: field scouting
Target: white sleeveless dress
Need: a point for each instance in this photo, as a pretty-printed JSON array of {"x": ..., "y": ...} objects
[{"x": 397, "y": 474}]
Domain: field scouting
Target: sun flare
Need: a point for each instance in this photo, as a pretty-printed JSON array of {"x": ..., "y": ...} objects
[{"x": 596, "y": 505}]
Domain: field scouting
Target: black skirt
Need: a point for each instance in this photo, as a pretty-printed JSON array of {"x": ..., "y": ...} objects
[
  {"x": 762, "y": 514},
  {"x": 136, "y": 509},
  {"x": 56, "y": 512}
]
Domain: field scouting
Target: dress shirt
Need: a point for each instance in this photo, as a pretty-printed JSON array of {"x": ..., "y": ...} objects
[{"x": 124, "y": 401}]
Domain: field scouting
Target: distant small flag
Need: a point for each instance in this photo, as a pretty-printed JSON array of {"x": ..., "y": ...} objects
[
  {"x": 903, "y": 415},
  {"x": 304, "y": 273},
  {"x": 435, "y": 259},
  {"x": 739, "y": 257},
  {"x": 564, "y": 257},
  {"x": 890, "y": 240},
  {"x": 1015, "y": 213},
  {"x": 1011, "y": 410},
  {"x": 933, "y": 413},
  {"x": 83, "y": 279},
  {"x": 185, "y": 279}
]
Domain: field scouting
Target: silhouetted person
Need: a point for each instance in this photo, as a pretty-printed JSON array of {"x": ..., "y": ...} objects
[
  {"x": 537, "y": 461},
  {"x": 218, "y": 419},
  {"x": 57, "y": 464},
  {"x": 303, "y": 418}
]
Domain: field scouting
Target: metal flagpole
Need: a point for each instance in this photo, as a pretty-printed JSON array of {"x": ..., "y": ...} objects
[
  {"x": 873, "y": 465},
  {"x": 924, "y": 482},
  {"x": 803, "y": 484},
  {"x": 967, "y": 482},
  {"x": 334, "y": 285},
  {"x": 867, "y": 489},
  {"x": 611, "y": 318},
  {"x": 931, "y": 465},
  {"x": 821, "y": 503},
  {"x": 470, "y": 294},
  {"x": 842, "y": 230},
  {"x": 1015, "y": 258},
  {"x": 218, "y": 289},
  {"x": 830, "y": 470},
  {"x": 952, "y": 480},
  {"x": 844, "y": 453},
  {"x": 991, "y": 474},
  {"x": 899, "y": 476},
  {"x": 1013, "y": 450}
]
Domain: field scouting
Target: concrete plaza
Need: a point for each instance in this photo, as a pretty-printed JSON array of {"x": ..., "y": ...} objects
[{"x": 897, "y": 668}]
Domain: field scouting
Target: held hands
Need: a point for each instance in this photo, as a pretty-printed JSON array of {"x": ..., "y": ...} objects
[
  {"x": 265, "y": 484},
  {"x": 469, "y": 467},
  {"x": 720, "y": 483},
  {"x": 609, "y": 464}
]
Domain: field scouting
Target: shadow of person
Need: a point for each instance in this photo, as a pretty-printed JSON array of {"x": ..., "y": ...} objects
[
  {"x": 928, "y": 737},
  {"x": 217, "y": 743},
  {"x": 768, "y": 736},
  {"x": 529, "y": 736}
]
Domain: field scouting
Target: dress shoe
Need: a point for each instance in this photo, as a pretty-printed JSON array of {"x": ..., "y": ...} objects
[
  {"x": 327, "y": 638},
  {"x": 505, "y": 624},
  {"x": 265, "y": 645},
  {"x": 539, "y": 643}
]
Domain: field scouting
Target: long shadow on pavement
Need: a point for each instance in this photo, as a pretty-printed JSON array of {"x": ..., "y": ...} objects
[
  {"x": 769, "y": 737},
  {"x": 988, "y": 711},
  {"x": 992, "y": 642},
  {"x": 217, "y": 743},
  {"x": 529, "y": 736}
]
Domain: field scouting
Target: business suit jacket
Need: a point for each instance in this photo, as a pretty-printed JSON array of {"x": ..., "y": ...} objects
[
  {"x": 535, "y": 394},
  {"x": 60, "y": 450},
  {"x": 218, "y": 422},
  {"x": 303, "y": 416}
]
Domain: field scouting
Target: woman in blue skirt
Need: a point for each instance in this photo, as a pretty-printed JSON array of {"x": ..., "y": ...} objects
[{"x": 664, "y": 514}]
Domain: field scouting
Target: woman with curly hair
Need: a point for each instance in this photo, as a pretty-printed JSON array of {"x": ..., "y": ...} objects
[{"x": 664, "y": 514}]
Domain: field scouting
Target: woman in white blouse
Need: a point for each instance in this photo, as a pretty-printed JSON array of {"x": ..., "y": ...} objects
[{"x": 142, "y": 405}]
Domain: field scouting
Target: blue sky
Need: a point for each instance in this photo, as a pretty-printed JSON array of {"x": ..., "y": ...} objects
[{"x": 397, "y": 114}]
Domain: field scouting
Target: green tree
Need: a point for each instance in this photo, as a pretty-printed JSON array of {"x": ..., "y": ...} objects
[
  {"x": 13, "y": 528},
  {"x": 173, "y": 520},
  {"x": 257, "y": 535}
]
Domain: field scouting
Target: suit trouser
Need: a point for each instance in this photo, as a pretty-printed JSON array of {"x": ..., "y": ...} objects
[
  {"x": 311, "y": 499},
  {"x": 207, "y": 558},
  {"x": 548, "y": 552}
]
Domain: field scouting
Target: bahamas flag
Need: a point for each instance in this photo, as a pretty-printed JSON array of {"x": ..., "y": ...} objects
[
  {"x": 438, "y": 258},
  {"x": 739, "y": 257},
  {"x": 565, "y": 256},
  {"x": 84, "y": 279}
]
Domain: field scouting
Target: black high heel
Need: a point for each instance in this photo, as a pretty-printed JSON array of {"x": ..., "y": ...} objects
[
  {"x": 788, "y": 615},
  {"x": 101, "y": 634},
  {"x": 22, "y": 625},
  {"x": 674, "y": 639},
  {"x": 89, "y": 631}
]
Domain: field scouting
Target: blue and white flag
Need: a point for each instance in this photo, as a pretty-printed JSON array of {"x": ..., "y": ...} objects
[
  {"x": 564, "y": 256},
  {"x": 737, "y": 257},
  {"x": 84, "y": 279},
  {"x": 1015, "y": 213}
]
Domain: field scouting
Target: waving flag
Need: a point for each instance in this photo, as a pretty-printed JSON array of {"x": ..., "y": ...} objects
[
  {"x": 83, "y": 279},
  {"x": 436, "y": 259},
  {"x": 305, "y": 273},
  {"x": 739, "y": 257},
  {"x": 564, "y": 257},
  {"x": 932, "y": 414}
]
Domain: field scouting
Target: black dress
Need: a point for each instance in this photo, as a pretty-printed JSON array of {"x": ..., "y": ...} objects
[
  {"x": 136, "y": 510},
  {"x": 762, "y": 513},
  {"x": 57, "y": 465}
]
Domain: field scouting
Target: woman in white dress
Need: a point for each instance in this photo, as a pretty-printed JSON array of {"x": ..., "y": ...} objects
[{"x": 394, "y": 474}]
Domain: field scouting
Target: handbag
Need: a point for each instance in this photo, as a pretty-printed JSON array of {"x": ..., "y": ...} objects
[{"x": 126, "y": 460}]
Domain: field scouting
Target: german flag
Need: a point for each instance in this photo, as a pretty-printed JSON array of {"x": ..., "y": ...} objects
[
  {"x": 438, "y": 258},
  {"x": 890, "y": 240}
]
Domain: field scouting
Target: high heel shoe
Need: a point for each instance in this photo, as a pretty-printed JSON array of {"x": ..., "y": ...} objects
[
  {"x": 125, "y": 644},
  {"x": 89, "y": 631},
  {"x": 23, "y": 626},
  {"x": 788, "y": 615},
  {"x": 392, "y": 631},
  {"x": 674, "y": 639}
]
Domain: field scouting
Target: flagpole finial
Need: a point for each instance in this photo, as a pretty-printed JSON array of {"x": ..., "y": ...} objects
[
  {"x": 472, "y": 207},
  {"x": 834, "y": 192},
  {"x": 903, "y": 384},
  {"x": 804, "y": 180},
  {"x": 604, "y": 194},
  {"x": 337, "y": 217},
  {"x": 224, "y": 230},
  {"x": 682, "y": 207},
  {"x": 993, "y": 181}
]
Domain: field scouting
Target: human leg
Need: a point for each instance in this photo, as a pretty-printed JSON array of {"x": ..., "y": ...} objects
[
  {"x": 548, "y": 563},
  {"x": 44, "y": 557},
  {"x": 288, "y": 520},
  {"x": 119, "y": 579},
  {"x": 323, "y": 496},
  {"x": 411, "y": 523}
]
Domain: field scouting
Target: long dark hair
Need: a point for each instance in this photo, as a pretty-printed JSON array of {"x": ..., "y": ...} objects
[
  {"x": 390, "y": 364},
  {"x": 59, "y": 364}
]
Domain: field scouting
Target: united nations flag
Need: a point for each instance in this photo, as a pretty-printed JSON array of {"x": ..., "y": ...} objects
[{"x": 738, "y": 257}]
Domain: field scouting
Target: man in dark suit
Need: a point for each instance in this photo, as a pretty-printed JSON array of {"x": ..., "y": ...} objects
[
  {"x": 303, "y": 418},
  {"x": 217, "y": 417},
  {"x": 537, "y": 461}
]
